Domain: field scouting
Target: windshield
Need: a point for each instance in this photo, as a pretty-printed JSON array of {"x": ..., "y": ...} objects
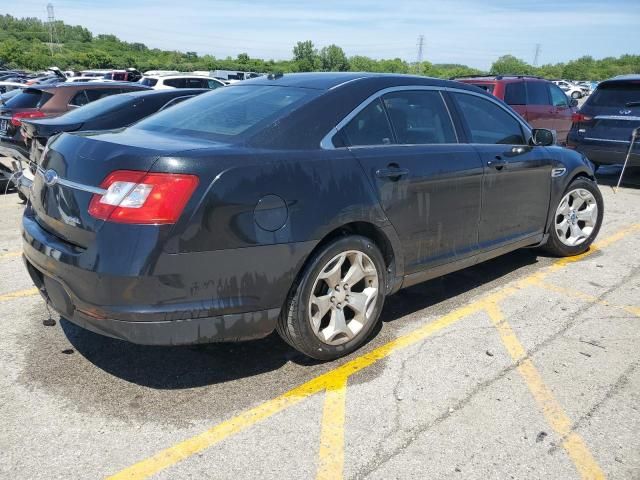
[
  {"x": 617, "y": 95},
  {"x": 96, "y": 108},
  {"x": 228, "y": 112}
]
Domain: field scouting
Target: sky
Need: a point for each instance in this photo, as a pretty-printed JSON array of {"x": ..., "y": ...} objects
[{"x": 470, "y": 32}]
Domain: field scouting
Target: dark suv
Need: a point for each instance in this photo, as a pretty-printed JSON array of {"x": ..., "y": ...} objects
[
  {"x": 602, "y": 128},
  {"x": 539, "y": 101}
]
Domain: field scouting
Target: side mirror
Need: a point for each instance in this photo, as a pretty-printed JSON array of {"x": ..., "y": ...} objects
[
  {"x": 574, "y": 102},
  {"x": 543, "y": 137}
]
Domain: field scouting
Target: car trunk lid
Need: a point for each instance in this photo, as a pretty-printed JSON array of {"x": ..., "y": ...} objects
[{"x": 74, "y": 166}]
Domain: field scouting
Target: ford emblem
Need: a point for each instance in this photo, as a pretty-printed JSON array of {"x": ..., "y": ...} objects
[{"x": 50, "y": 178}]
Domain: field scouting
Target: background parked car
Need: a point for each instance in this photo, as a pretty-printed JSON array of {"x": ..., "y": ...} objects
[
  {"x": 570, "y": 89},
  {"x": 46, "y": 101},
  {"x": 159, "y": 82},
  {"x": 115, "y": 111},
  {"x": 538, "y": 101},
  {"x": 602, "y": 128}
]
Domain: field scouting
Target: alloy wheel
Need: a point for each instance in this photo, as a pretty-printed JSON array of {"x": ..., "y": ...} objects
[
  {"x": 576, "y": 217},
  {"x": 343, "y": 298}
]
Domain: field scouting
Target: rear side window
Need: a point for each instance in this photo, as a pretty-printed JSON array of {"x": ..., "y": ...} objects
[
  {"x": 419, "y": 117},
  {"x": 196, "y": 83},
  {"x": 369, "y": 127},
  {"x": 29, "y": 98},
  {"x": 617, "y": 95},
  {"x": 487, "y": 122},
  {"x": 537, "y": 93},
  {"x": 228, "y": 112},
  {"x": 514, "y": 94},
  {"x": 84, "y": 97}
]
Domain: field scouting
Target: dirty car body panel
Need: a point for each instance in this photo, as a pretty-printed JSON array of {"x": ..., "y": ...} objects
[{"x": 267, "y": 197}]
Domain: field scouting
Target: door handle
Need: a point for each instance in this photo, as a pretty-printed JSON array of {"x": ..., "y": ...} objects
[
  {"x": 393, "y": 173},
  {"x": 498, "y": 163}
]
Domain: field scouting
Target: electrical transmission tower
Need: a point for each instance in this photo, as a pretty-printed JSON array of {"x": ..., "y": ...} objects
[
  {"x": 536, "y": 56},
  {"x": 53, "y": 35},
  {"x": 420, "y": 53}
]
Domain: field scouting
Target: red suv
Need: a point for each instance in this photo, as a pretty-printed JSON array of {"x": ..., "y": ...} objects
[{"x": 540, "y": 102}]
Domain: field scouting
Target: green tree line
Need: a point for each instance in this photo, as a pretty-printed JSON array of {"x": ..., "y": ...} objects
[{"x": 25, "y": 43}]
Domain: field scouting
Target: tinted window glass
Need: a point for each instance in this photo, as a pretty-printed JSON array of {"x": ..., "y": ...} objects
[
  {"x": 487, "y": 122},
  {"x": 97, "y": 108},
  {"x": 28, "y": 98},
  {"x": 97, "y": 94},
  {"x": 227, "y": 112},
  {"x": 615, "y": 95},
  {"x": 149, "y": 82},
  {"x": 537, "y": 93},
  {"x": 175, "y": 82},
  {"x": 487, "y": 87},
  {"x": 369, "y": 127},
  {"x": 419, "y": 117},
  {"x": 79, "y": 99},
  {"x": 558, "y": 97},
  {"x": 213, "y": 84},
  {"x": 196, "y": 83},
  {"x": 514, "y": 94}
]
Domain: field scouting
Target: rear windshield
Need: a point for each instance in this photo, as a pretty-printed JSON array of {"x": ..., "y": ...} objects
[
  {"x": 487, "y": 87},
  {"x": 228, "y": 112},
  {"x": 96, "y": 108},
  {"x": 616, "y": 95},
  {"x": 29, "y": 99},
  {"x": 149, "y": 82}
]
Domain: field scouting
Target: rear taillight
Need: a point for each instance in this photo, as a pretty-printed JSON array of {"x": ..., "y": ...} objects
[
  {"x": 16, "y": 119},
  {"x": 581, "y": 118},
  {"x": 145, "y": 198}
]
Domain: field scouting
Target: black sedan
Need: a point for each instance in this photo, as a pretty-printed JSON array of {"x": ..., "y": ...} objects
[{"x": 294, "y": 203}]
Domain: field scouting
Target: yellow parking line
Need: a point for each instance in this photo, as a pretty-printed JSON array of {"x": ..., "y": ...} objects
[
  {"x": 554, "y": 414},
  {"x": 18, "y": 294},
  {"x": 16, "y": 253},
  {"x": 182, "y": 450},
  {"x": 331, "y": 454}
]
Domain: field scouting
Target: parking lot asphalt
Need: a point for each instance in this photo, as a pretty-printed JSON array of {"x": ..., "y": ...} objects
[{"x": 523, "y": 367}]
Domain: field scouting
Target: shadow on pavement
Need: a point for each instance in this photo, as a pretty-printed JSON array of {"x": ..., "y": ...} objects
[
  {"x": 609, "y": 175},
  {"x": 188, "y": 367}
]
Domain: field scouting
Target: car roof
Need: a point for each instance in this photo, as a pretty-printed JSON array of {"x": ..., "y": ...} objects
[
  {"x": 631, "y": 76},
  {"x": 493, "y": 78},
  {"x": 184, "y": 75},
  {"x": 175, "y": 92},
  {"x": 96, "y": 85},
  {"x": 332, "y": 80}
]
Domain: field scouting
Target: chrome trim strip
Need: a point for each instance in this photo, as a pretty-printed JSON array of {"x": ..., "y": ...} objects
[
  {"x": 617, "y": 117},
  {"x": 327, "y": 144},
  {"x": 75, "y": 185},
  {"x": 606, "y": 140}
]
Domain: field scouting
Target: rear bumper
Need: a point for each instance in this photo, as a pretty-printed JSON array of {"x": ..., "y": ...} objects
[
  {"x": 172, "y": 309},
  {"x": 607, "y": 153}
]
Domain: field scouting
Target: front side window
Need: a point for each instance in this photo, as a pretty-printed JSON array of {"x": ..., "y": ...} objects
[
  {"x": 558, "y": 97},
  {"x": 419, "y": 117},
  {"x": 369, "y": 127},
  {"x": 213, "y": 84},
  {"x": 538, "y": 93},
  {"x": 149, "y": 82},
  {"x": 487, "y": 122},
  {"x": 514, "y": 94},
  {"x": 228, "y": 112}
]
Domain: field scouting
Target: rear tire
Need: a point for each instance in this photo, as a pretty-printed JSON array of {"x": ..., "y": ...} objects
[
  {"x": 577, "y": 219},
  {"x": 335, "y": 304}
]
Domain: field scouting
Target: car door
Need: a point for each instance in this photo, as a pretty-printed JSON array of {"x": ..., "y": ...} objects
[
  {"x": 563, "y": 112},
  {"x": 428, "y": 184},
  {"x": 517, "y": 180},
  {"x": 540, "y": 112}
]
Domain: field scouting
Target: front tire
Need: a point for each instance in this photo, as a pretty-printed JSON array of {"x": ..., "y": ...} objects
[
  {"x": 577, "y": 219},
  {"x": 334, "y": 306}
]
